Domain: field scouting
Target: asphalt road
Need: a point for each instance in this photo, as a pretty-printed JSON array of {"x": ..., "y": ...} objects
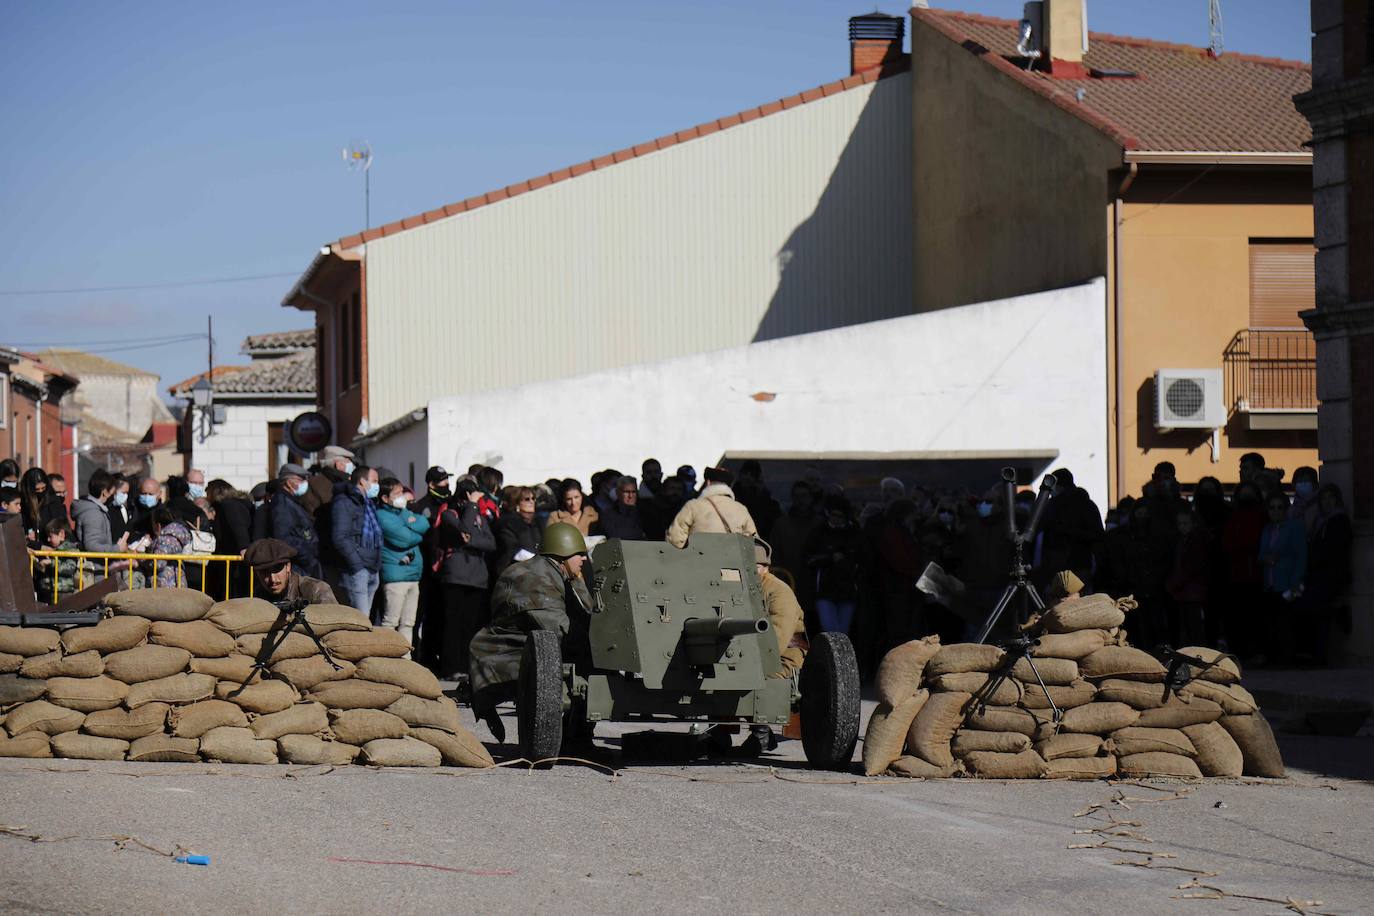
[{"x": 762, "y": 837}]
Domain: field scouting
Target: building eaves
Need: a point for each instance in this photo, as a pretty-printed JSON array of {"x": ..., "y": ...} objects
[
  {"x": 284, "y": 377},
  {"x": 611, "y": 159},
  {"x": 276, "y": 342}
]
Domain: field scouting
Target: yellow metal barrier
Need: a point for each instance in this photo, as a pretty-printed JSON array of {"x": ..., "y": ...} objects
[{"x": 130, "y": 561}]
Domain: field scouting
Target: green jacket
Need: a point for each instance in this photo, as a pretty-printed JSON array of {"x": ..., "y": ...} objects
[{"x": 528, "y": 596}]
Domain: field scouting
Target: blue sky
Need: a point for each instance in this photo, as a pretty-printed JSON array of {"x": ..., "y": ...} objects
[{"x": 150, "y": 142}]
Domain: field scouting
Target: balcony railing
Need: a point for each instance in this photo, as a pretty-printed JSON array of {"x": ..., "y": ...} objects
[{"x": 1271, "y": 370}]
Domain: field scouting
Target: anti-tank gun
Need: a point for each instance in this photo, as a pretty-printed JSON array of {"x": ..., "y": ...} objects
[{"x": 683, "y": 635}]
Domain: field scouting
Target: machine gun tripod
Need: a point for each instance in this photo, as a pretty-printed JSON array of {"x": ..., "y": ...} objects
[{"x": 290, "y": 617}]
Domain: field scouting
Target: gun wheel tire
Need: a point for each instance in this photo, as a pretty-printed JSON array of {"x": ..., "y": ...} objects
[
  {"x": 830, "y": 702},
  {"x": 539, "y": 703}
]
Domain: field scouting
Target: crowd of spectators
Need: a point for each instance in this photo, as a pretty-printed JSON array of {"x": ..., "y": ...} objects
[{"x": 1256, "y": 570}]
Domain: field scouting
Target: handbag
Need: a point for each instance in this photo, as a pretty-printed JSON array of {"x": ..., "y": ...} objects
[{"x": 202, "y": 542}]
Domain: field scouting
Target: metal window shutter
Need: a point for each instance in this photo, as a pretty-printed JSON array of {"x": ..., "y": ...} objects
[{"x": 1283, "y": 282}]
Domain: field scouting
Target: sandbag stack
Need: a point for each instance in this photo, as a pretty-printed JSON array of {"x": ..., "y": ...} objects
[
  {"x": 946, "y": 710},
  {"x": 170, "y": 676}
]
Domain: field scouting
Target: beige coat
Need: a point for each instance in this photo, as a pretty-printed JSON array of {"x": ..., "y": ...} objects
[
  {"x": 714, "y": 511},
  {"x": 582, "y": 521},
  {"x": 786, "y": 617}
]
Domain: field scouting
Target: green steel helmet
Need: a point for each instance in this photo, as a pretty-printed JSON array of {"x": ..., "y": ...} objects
[{"x": 562, "y": 540}]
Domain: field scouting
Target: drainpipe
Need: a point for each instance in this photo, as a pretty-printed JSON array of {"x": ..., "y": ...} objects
[{"x": 1121, "y": 190}]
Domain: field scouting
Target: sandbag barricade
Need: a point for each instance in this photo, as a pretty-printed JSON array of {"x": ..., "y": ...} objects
[
  {"x": 171, "y": 677},
  {"x": 950, "y": 711}
]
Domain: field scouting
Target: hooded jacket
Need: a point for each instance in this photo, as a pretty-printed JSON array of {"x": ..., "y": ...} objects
[
  {"x": 92, "y": 521},
  {"x": 714, "y": 511}
]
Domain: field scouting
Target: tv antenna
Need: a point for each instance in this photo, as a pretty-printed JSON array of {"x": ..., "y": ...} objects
[
  {"x": 1215, "y": 44},
  {"x": 357, "y": 157}
]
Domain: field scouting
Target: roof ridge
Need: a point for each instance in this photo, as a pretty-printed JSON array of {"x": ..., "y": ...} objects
[
  {"x": 1132, "y": 40},
  {"x": 825, "y": 90}
]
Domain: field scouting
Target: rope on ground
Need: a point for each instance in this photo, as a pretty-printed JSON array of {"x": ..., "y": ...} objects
[
  {"x": 1216, "y": 893},
  {"x": 478, "y": 872},
  {"x": 122, "y": 841}
]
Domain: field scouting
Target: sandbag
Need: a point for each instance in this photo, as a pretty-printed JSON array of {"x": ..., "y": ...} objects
[
  {"x": 1060, "y": 672},
  {"x": 359, "y": 726},
  {"x": 958, "y": 658},
  {"x": 934, "y": 726},
  {"x": 165, "y": 749},
  {"x": 1158, "y": 764},
  {"x": 410, "y": 676},
  {"x": 1254, "y": 737},
  {"x": 1217, "y": 752},
  {"x": 1135, "y": 694},
  {"x": 1234, "y": 700},
  {"x": 357, "y": 694},
  {"x": 1088, "y": 612},
  {"x": 196, "y": 719},
  {"x": 175, "y": 605},
  {"x": 236, "y": 668},
  {"x": 1069, "y": 645},
  {"x": 356, "y": 645},
  {"x": 967, "y": 741},
  {"x": 300, "y": 719},
  {"x": 42, "y": 716},
  {"x": 304, "y": 673},
  {"x": 1026, "y": 764},
  {"x": 179, "y": 688},
  {"x": 28, "y": 641},
  {"x": 326, "y": 618},
  {"x": 312, "y": 750},
  {"x": 199, "y": 637},
  {"x": 886, "y": 732},
  {"x": 29, "y": 744},
  {"x": 1081, "y": 767},
  {"x": 87, "y": 694},
  {"x": 292, "y": 645},
  {"x": 900, "y": 672},
  {"x": 916, "y": 768},
  {"x": 1223, "y": 670},
  {"x": 263, "y": 697},
  {"x": 113, "y": 634},
  {"x": 240, "y": 616},
  {"x": 1135, "y": 739},
  {"x": 421, "y": 713},
  {"x": 11, "y": 663},
  {"x": 55, "y": 664},
  {"x": 1067, "y": 745},
  {"x": 1098, "y": 718},
  {"x": 1180, "y": 713},
  {"x": 14, "y": 689},
  {"x": 456, "y": 750},
  {"x": 1122, "y": 662},
  {"x": 127, "y": 724},
  {"x": 1078, "y": 693},
  {"x": 146, "y": 663},
  {"x": 1004, "y": 719},
  {"x": 76, "y": 746},
  {"x": 401, "y": 752},
  {"x": 236, "y": 745},
  {"x": 1006, "y": 693}
]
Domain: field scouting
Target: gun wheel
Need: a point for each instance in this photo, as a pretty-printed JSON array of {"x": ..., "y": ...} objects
[
  {"x": 539, "y": 703},
  {"x": 830, "y": 702}
]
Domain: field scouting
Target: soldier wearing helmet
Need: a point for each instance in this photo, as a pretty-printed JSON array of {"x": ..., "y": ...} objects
[{"x": 546, "y": 592}]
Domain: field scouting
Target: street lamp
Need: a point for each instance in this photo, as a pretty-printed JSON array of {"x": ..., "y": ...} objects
[{"x": 202, "y": 393}]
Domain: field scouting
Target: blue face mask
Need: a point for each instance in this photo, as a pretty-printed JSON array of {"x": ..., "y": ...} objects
[
  {"x": 985, "y": 509},
  {"x": 373, "y": 489},
  {"x": 196, "y": 490},
  {"x": 349, "y": 468},
  {"x": 121, "y": 498},
  {"x": 301, "y": 489},
  {"x": 147, "y": 500}
]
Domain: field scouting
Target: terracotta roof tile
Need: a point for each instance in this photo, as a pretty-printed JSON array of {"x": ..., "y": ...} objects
[
  {"x": 294, "y": 374},
  {"x": 279, "y": 341},
  {"x": 1182, "y": 99}
]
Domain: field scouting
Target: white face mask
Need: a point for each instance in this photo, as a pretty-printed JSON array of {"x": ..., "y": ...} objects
[
  {"x": 121, "y": 498},
  {"x": 348, "y": 468},
  {"x": 399, "y": 502}
]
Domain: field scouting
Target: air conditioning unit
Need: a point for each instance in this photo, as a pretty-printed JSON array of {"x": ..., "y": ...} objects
[{"x": 1189, "y": 399}]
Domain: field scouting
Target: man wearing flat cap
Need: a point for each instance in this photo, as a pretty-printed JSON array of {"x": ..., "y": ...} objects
[
  {"x": 275, "y": 580},
  {"x": 291, "y": 522},
  {"x": 715, "y": 510}
]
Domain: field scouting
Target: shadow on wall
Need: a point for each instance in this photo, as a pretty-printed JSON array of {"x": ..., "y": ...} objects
[
  {"x": 1238, "y": 435},
  {"x": 849, "y": 262}
]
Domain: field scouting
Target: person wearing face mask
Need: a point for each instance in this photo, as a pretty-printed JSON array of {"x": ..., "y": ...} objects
[
  {"x": 1072, "y": 532},
  {"x": 91, "y": 515},
  {"x": 9, "y": 474},
  {"x": 463, "y": 543},
  {"x": 986, "y": 550},
  {"x": 403, "y": 530},
  {"x": 356, "y": 536},
  {"x": 122, "y": 512},
  {"x": 290, "y": 523},
  {"x": 437, "y": 491},
  {"x": 181, "y": 501},
  {"x": 1305, "y": 508},
  {"x": 336, "y": 463}
]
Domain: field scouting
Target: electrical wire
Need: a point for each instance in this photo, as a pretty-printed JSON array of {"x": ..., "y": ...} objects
[
  {"x": 136, "y": 286},
  {"x": 107, "y": 341}
]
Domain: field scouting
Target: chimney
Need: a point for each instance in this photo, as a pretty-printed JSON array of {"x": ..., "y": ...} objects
[
  {"x": 875, "y": 40},
  {"x": 1065, "y": 24}
]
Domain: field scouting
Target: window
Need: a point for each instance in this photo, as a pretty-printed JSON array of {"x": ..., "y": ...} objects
[{"x": 1283, "y": 282}]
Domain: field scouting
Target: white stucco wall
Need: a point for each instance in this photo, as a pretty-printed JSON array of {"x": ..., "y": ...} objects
[
  {"x": 236, "y": 449},
  {"x": 1015, "y": 374},
  {"x": 405, "y": 454},
  {"x": 128, "y": 402}
]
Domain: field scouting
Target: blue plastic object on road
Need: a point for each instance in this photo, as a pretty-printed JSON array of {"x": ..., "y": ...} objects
[{"x": 194, "y": 860}]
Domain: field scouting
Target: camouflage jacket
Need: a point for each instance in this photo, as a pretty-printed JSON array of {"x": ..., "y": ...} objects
[
  {"x": 66, "y": 574},
  {"x": 528, "y": 596}
]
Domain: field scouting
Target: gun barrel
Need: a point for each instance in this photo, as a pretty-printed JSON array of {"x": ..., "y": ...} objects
[{"x": 721, "y": 629}]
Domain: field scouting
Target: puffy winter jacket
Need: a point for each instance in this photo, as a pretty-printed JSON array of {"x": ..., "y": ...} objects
[
  {"x": 357, "y": 542},
  {"x": 402, "y": 532},
  {"x": 292, "y": 524},
  {"x": 92, "y": 522}
]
